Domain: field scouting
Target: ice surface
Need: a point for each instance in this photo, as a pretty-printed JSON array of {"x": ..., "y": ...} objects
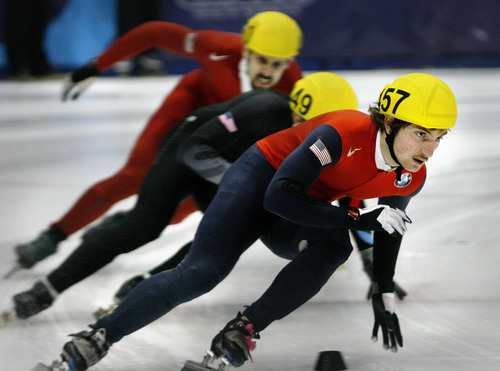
[{"x": 50, "y": 152}]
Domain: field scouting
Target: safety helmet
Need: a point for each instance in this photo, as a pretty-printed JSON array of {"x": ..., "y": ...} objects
[
  {"x": 272, "y": 34},
  {"x": 420, "y": 99},
  {"x": 321, "y": 92}
]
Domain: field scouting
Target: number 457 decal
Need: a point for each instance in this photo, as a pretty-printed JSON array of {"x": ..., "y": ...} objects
[{"x": 386, "y": 96}]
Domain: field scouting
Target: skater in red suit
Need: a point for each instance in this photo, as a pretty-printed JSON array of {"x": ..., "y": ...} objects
[
  {"x": 261, "y": 57},
  {"x": 282, "y": 188}
]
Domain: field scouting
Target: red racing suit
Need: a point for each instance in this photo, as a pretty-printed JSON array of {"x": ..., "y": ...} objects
[
  {"x": 355, "y": 174},
  {"x": 342, "y": 165}
]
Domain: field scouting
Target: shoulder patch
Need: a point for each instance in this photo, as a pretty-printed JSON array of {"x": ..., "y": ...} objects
[
  {"x": 228, "y": 121},
  {"x": 189, "y": 42},
  {"x": 321, "y": 152}
]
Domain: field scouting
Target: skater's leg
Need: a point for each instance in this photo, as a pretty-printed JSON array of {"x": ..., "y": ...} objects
[
  {"x": 233, "y": 221},
  {"x": 186, "y": 208},
  {"x": 302, "y": 278},
  {"x": 126, "y": 182},
  {"x": 286, "y": 239},
  {"x": 157, "y": 201},
  {"x": 171, "y": 263},
  {"x": 203, "y": 194},
  {"x": 156, "y": 204},
  {"x": 100, "y": 197},
  {"x": 158, "y": 294}
]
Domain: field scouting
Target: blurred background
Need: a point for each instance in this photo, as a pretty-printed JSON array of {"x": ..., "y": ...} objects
[{"x": 338, "y": 35}]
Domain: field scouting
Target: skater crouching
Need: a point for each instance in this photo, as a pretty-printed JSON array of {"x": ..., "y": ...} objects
[{"x": 282, "y": 188}]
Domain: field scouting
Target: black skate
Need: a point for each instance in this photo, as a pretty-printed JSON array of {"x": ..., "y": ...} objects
[
  {"x": 234, "y": 341},
  {"x": 128, "y": 286},
  {"x": 123, "y": 291},
  {"x": 28, "y": 254},
  {"x": 231, "y": 346},
  {"x": 38, "y": 298},
  {"x": 58, "y": 365},
  {"x": 86, "y": 349}
]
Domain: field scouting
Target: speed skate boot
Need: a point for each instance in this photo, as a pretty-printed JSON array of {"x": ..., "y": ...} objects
[
  {"x": 234, "y": 342},
  {"x": 39, "y": 297},
  {"x": 28, "y": 254},
  {"x": 85, "y": 349},
  {"x": 128, "y": 286}
]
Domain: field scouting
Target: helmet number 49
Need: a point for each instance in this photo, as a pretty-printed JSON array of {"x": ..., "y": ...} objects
[
  {"x": 303, "y": 103},
  {"x": 385, "y": 96}
]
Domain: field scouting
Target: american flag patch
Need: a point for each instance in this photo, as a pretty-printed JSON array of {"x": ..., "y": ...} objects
[
  {"x": 228, "y": 121},
  {"x": 189, "y": 42},
  {"x": 321, "y": 152}
]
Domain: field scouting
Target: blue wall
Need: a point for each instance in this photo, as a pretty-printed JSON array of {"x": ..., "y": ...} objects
[
  {"x": 349, "y": 34},
  {"x": 79, "y": 30}
]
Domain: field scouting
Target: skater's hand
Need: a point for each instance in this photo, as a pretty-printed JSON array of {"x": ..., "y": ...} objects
[
  {"x": 378, "y": 218},
  {"x": 79, "y": 80},
  {"x": 384, "y": 308}
]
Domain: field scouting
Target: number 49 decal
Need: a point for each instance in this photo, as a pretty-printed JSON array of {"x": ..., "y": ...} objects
[
  {"x": 303, "y": 102},
  {"x": 386, "y": 96}
]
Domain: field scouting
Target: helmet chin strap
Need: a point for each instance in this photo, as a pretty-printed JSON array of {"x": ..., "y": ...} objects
[{"x": 389, "y": 139}]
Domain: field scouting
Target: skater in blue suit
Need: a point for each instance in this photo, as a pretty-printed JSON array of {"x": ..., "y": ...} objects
[{"x": 282, "y": 188}]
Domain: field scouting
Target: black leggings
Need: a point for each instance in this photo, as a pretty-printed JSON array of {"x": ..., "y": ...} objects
[{"x": 166, "y": 185}]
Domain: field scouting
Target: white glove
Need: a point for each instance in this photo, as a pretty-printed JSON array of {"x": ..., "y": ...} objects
[{"x": 378, "y": 218}]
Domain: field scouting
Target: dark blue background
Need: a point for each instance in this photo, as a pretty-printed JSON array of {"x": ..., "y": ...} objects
[{"x": 349, "y": 34}]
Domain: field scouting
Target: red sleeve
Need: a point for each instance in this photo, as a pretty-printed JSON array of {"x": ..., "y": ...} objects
[{"x": 171, "y": 37}]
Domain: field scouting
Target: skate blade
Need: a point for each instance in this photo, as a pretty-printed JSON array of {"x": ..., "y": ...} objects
[
  {"x": 195, "y": 366},
  {"x": 13, "y": 270},
  {"x": 103, "y": 311},
  {"x": 202, "y": 366},
  {"x": 7, "y": 317},
  {"x": 41, "y": 367},
  {"x": 198, "y": 366},
  {"x": 55, "y": 366}
]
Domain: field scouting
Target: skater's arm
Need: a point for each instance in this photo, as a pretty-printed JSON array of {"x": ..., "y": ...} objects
[
  {"x": 286, "y": 194},
  {"x": 213, "y": 147},
  {"x": 169, "y": 36}
]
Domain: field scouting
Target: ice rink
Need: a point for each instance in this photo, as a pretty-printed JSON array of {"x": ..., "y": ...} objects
[{"x": 50, "y": 152}]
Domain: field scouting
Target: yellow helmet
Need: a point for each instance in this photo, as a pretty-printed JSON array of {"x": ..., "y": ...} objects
[
  {"x": 321, "y": 92},
  {"x": 420, "y": 99},
  {"x": 272, "y": 34}
]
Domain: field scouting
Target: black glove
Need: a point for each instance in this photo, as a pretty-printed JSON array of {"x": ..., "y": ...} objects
[
  {"x": 384, "y": 309},
  {"x": 79, "y": 80},
  {"x": 378, "y": 218}
]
